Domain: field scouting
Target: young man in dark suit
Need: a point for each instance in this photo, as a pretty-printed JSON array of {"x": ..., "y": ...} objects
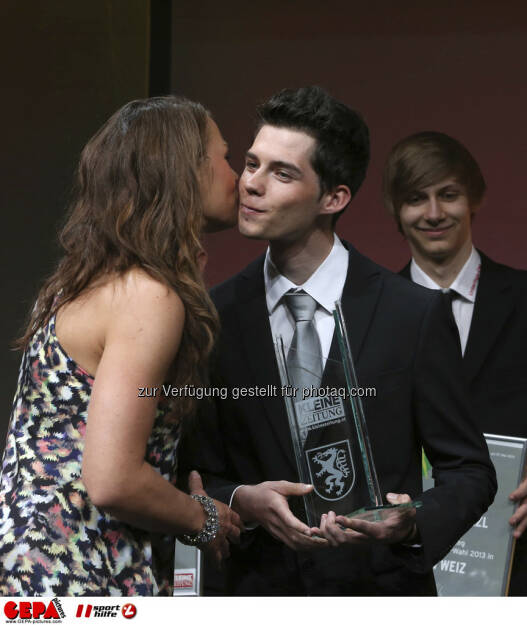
[
  {"x": 433, "y": 187},
  {"x": 308, "y": 159}
]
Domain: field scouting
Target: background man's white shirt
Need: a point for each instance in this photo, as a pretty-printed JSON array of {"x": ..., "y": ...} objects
[{"x": 465, "y": 284}]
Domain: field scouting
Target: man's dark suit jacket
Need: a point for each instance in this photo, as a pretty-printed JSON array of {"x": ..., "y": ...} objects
[
  {"x": 495, "y": 365},
  {"x": 404, "y": 346}
]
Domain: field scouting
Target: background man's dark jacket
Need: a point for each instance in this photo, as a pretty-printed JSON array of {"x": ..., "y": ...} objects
[{"x": 495, "y": 366}]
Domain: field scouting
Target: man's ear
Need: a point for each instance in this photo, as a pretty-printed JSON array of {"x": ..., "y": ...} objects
[{"x": 336, "y": 200}]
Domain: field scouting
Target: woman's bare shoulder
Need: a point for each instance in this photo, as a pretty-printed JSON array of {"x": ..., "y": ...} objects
[
  {"x": 138, "y": 294},
  {"x": 123, "y": 307}
]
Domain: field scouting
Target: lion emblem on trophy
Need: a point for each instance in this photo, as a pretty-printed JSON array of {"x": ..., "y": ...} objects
[
  {"x": 333, "y": 467},
  {"x": 333, "y": 462}
]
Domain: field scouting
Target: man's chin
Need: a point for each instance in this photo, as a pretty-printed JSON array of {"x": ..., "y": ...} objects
[
  {"x": 249, "y": 232},
  {"x": 251, "y": 235},
  {"x": 438, "y": 253}
]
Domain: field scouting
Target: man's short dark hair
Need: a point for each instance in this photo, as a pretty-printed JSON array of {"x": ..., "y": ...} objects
[
  {"x": 342, "y": 151},
  {"x": 424, "y": 159}
]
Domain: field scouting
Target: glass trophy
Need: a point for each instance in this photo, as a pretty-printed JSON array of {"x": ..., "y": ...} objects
[{"x": 329, "y": 435}]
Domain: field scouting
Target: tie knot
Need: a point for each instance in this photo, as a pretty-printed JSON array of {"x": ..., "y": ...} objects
[
  {"x": 452, "y": 295},
  {"x": 301, "y": 305}
]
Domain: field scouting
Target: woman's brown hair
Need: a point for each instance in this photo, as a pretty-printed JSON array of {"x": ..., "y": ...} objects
[{"x": 138, "y": 204}]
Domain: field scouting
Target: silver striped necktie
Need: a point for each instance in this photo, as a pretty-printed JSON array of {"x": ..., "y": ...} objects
[{"x": 304, "y": 360}]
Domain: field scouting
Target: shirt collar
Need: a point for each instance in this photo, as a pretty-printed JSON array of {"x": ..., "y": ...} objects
[
  {"x": 325, "y": 285},
  {"x": 466, "y": 280}
]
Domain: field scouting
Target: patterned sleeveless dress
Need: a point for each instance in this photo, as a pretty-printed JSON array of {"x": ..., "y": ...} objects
[{"x": 53, "y": 540}]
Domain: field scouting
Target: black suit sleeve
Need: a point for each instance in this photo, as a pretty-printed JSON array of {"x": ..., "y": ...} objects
[{"x": 465, "y": 480}]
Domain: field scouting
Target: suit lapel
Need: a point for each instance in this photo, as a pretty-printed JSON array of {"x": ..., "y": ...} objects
[
  {"x": 359, "y": 301},
  {"x": 405, "y": 271},
  {"x": 259, "y": 350},
  {"x": 493, "y": 306}
]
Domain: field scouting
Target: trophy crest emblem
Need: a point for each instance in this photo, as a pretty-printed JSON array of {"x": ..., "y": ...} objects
[{"x": 331, "y": 469}]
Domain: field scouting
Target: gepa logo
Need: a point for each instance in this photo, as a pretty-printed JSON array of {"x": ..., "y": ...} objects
[{"x": 32, "y": 610}]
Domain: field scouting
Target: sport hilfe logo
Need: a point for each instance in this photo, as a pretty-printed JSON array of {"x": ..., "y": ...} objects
[
  {"x": 101, "y": 611},
  {"x": 32, "y": 610},
  {"x": 128, "y": 610},
  {"x": 87, "y": 611}
]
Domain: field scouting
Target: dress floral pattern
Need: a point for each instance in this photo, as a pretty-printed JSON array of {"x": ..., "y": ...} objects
[{"x": 53, "y": 540}]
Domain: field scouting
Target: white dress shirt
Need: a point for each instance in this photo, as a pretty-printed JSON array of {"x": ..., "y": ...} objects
[
  {"x": 465, "y": 284},
  {"x": 325, "y": 286}
]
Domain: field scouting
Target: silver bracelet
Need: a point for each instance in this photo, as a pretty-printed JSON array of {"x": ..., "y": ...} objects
[{"x": 209, "y": 530}]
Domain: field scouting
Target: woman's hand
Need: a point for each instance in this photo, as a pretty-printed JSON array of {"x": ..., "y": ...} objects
[{"x": 230, "y": 523}]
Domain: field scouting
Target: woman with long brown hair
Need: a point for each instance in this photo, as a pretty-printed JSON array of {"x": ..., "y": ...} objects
[{"x": 88, "y": 503}]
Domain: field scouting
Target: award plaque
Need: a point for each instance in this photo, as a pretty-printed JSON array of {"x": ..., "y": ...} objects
[
  {"x": 479, "y": 564},
  {"x": 188, "y": 580},
  {"x": 330, "y": 437}
]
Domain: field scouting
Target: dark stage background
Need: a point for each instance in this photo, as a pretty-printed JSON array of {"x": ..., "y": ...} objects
[
  {"x": 66, "y": 67},
  {"x": 455, "y": 66}
]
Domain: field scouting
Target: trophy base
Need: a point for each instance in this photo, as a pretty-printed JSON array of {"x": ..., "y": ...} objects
[{"x": 375, "y": 514}]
